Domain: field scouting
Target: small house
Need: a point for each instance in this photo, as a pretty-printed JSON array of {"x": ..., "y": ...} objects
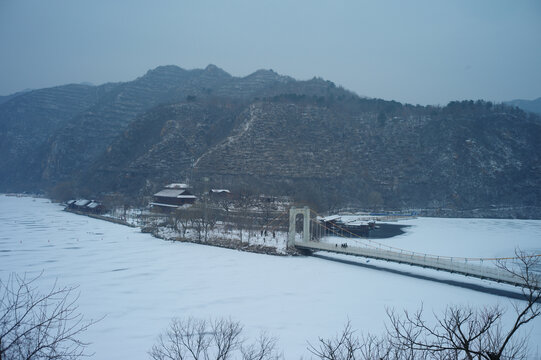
[
  {"x": 88, "y": 206},
  {"x": 172, "y": 197},
  {"x": 81, "y": 204},
  {"x": 95, "y": 207}
]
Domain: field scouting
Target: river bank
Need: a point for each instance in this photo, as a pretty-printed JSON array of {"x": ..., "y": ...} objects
[{"x": 218, "y": 237}]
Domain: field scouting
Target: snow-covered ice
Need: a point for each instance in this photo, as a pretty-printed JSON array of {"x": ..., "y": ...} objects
[
  {"x": 139, "y": 282},
  {"x": 479, "y": 241}
]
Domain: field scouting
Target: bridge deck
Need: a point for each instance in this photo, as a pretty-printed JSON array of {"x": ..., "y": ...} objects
[{"x": 464, "y": 268}]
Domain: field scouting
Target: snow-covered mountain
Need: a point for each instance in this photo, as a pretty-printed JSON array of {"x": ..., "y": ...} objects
[{"x": 311, "y": 140}]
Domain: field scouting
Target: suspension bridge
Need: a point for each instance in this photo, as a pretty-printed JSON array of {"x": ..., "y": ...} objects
[{"x": 482, "y": 268}]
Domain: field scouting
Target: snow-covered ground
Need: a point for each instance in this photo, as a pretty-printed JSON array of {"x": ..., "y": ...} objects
[{"x": 139, "y": 282}]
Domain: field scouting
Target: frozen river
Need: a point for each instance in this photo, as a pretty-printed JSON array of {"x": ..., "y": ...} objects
[{"x": 139, "y": 282}]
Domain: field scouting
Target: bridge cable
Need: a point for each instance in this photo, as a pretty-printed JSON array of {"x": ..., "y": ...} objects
[{"x": 466, "y": 259}]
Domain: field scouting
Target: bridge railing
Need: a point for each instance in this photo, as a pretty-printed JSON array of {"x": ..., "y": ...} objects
[
  {"x": 368, "y": 243},
  {"x": 417, "y": 259}
]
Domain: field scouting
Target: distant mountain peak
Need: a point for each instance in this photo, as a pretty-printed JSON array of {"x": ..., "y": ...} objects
[
  {"x": 212, "y": 67},
  {"x": 268, "y": 74},
  {"x": 215, "y": 70},
  {"x": 162, "y": 69}
]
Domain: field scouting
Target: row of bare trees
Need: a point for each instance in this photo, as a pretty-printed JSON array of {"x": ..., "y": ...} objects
[
  {"x": 245, "y": 214},
  {"x": 214, "y": 339},
  {"x": 200, "y": 219}
]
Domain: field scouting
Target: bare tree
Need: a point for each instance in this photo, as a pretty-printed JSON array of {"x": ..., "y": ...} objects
[
  {"x": 182, "y": 220},
  {"x": 373, "y": 347},
  {"x": 264, "y": 348},
  {"x": 36, "y": 325},
  {"x": 344, "y": 346},
  {"x": 461, "y": 332},
  {"x": 183, "y": 340},
  {"x": 474, "y": 333},
  {"x": 203, "y": 220},
  {"x": 225, "y": 337},
  {"x": 348, "y": 346},
  {"x": 223, "y": 202},
  {"x": 527, "y": 269},
  {"x": 244, "y": 204},
  {"x": 210, "y": 340}
]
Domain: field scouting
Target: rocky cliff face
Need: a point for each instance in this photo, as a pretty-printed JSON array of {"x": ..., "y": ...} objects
[
  {"x": 161, "y": 146},
  {"x": 307, "y": 139}
]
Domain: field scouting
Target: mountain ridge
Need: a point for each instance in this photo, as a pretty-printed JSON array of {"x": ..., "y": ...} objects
[
  {"x": 310, "y": 140},
  {"x": 527, "y": 105}
]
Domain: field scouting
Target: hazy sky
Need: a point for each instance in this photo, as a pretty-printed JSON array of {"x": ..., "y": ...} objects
[{"x": 421, "y": 52}]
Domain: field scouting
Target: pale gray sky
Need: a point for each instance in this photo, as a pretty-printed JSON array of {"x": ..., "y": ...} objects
[{"x": 421, "y": 52}]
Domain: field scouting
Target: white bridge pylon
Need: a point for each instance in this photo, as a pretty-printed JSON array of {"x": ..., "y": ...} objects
[
  {"x": 293, "y": 212},
  {"x": 403, "y": 257}
]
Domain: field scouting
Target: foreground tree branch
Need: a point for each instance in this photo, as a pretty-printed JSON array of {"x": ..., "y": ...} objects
[
  {"x": 469, "y": 333},
  {"x": 460, "y": 332},
  {"x": 344, "y": 346},
  {"x": 36, "y": 325}
]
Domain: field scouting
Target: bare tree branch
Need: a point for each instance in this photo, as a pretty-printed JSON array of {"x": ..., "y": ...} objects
[
  {"x": 263, "y": 349},
  {"x": 35, "y": 325},
  {"x": 345, "y": 346},
  {"x": 461, "y": 332},
  {"x": 210, "y": 340}
]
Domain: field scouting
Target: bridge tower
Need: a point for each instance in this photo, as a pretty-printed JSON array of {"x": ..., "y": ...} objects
[{"x": 293, "y": 212}]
